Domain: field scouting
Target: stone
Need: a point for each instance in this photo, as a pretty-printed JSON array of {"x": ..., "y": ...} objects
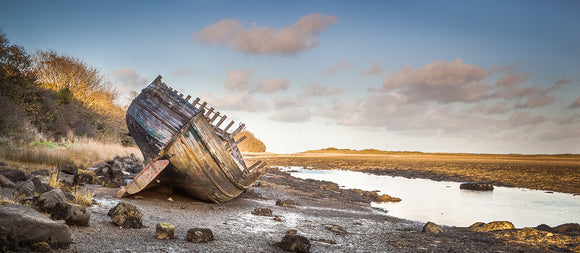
[
  {"x": 13, "y": 174},
  {"x": 77, "y": 215},
  {"x": 85, "y": 178},
  {"x": 544, "y": 227},
  {"x": 69, "y": 169},
  {"x": 126, "y": 215},
  {"x": 7, "y": 193},
  {"x": 336, "y": 229},
  {"x": 48, "y": 201},
  {"x": 6, "y": 182},
  {"x": 285, "y": 203},
  {"x": 25, "y": 188},
  {"x": 262, "y": 212},
  {"x": 431, "y": 228},
  {"x": 165, "y": 231},
  {"x": 40, "y": 247},
  {"x": 492, "y": 226},
  {"x": 329, "y": 187},
  {"x": 294, "y": 243},
  {"x": 386, "y": 198},
  {"x": 30, "y": 227},
  {"x": 67, "y": 179},
  {"x": 59, "y": 211},
  {"x": 200, "y": 235},
  {"x": 292, "y": 231},
  {"x": 39, "y": 185},
  {"x": 8, "y": 241},
  {"x": 476, "y": 186}
]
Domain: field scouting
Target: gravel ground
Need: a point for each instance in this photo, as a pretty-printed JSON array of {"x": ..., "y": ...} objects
[{"x": 237, "y": 230}]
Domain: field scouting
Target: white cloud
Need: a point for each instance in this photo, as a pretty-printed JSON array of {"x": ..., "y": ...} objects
[
  {"x": 374, "y": 70},
  {"x": 320, "y": 90},
  {"x": 337, "y": 67},
  {"x": 238, "y": 80},
  {"x": 291, "y": 115},
  {"x": 300, "y": 36},
  {"x": 271, "y": 85},
  {"x": 236, "y": 102},
  {"x": 128, "y": 79}
]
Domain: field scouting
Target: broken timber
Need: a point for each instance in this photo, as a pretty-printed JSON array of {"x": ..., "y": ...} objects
[{"x": 184, "y": 149}]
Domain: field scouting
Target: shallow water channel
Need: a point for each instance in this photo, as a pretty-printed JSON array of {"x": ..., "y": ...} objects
[{"x": 444, "y": 203}]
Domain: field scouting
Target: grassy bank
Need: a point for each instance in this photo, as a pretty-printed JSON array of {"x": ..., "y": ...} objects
[
  {"x": 82, "y": 152},
  {"x": 542, "y": 172}
]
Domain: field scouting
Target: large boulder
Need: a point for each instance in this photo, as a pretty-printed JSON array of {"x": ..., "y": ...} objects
[
  {"x": 7, "y": 193},
  {"x": 568, "y": 228},
  {"x": 6, "y": 182},
  {"x": 50, "y": 201},
  {"x": 476, "y": 186},
  {"x": 492, "y": 226},
  {"x": 25, "y": 188},
  {"x": 126, "y": 215},
  {"x": 77, "y": 215},
  {"x": 165, "y": 231},
  {"x": 13, "y": 174},
  {"x": 29, "y": 227}
]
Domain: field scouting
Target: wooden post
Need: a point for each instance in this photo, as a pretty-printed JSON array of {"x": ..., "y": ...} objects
[
  {"x": 187, "y": 98},
  {"x": 202, "y": 106},
  {"x": 240, "y": 140},
  {"x": 195, "y": 102},
  {"x": 215, "y": 116},
  {"x": 209, "y": 112}
]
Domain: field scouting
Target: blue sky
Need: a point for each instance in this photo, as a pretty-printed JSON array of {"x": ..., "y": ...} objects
[{"x": 432, "y": 76}]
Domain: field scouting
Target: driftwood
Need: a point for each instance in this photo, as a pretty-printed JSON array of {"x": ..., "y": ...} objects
[{"x": 184, "y": 148}]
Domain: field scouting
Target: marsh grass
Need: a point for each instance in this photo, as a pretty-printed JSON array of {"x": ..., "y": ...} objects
[
  {"x": 83, "y": 197},
  {"x": 82, "y": 152}
]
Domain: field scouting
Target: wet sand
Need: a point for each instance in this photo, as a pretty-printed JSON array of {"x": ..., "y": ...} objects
[{"x": 237, "y": 230}]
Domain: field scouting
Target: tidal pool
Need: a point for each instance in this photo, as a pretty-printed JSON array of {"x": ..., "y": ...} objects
[{"x": 444, "y": 203}]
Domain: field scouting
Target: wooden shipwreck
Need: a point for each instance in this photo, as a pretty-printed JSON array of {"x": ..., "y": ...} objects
[{"x": 185, "y": 147}]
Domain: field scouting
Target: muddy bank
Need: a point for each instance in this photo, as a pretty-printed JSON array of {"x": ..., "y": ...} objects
[
  {"x": 318, "y": 210},
  {"x": 548, "y": 173}
]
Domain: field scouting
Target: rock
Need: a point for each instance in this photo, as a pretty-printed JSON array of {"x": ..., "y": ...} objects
[
  {"x": 200, "y": 235},
  {"x": 48, "y": 201},
  {"x": 59, "y": 211},
  {"x": 262, "y": 212},
  {"x": 476, "y": 186},
  {"x": 329, "y": 187},
  {"x": 77, "y": 215},
  {"x": 30, "y": 227},
  {"x": 292, "y": 231},
  {"x": 386, "y": 198},
  {"x": 67, "y": 179},
  {"x": 294, "y": 243},
  {"x": 567, "y": 228},
  {"x": 25, "y": 188},
  {"x": 40, "y": 247},
  {"x": 31, "y": 201},
  {"x": 431, "y": 228},
  {"x": 39, "y": 185},
  {"x": 492, "y": 226},
  {"x": 69, "y": 169},
  {"x": 126, "y": 215},
  {"x": 336, "y": 229},
  {"x": 285, "y": 203},
  {"x": 8, "y": 241},
  {"x": 6, "y": 182},
  {"x": 7, "y": 193},
  {"x": 13, "y": 174},
  {"x": 85, "y": 178},
  {"x": 277, "y": 218},
  {"x": 165, "y": 231}
]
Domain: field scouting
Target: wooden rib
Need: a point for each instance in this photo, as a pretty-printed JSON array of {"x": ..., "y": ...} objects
[
  {"x": 255, "y": 165},
  {"x": 209, "y": 112},
  {"x": 202, "y": 106},
  {"x": 240, "y": 140},
  {"x": 237, "y": 131},
  {"x": 181, "y": 94},
  {"x": 215, "y": 116},
  {"x": 195, "y": 101},
  {"x": 229, "y": 125},
  {"x": 188, "y": 97},
  {"x": 221, "y": 121}
]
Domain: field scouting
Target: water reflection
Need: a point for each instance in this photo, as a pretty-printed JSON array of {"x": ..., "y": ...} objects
[{"x": 444, "y": 203}]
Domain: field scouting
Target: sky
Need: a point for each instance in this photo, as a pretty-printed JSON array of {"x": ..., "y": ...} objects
[{"x": 432, "y": 76}]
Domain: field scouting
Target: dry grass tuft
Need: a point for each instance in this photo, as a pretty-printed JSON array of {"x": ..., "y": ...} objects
[
  {"x": 15, "y": 199},
  {"x": 83, "y": 197}
]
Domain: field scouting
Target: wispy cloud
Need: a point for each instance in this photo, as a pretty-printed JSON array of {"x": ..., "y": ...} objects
[
  {"x": 576, "y": 103},
  {"x": 291, "y": 115},
  {"x": 128, "y": 79},
  {"x": 241, "y": 80},
  {"x": 182, "y": 71},
  {"x": 374, "y": 70},
  {"x": 236, "y": 102},
  {"x": 338, "y": 67},
  {"x": 300, "y": 36},
  {"x": 316, "y": 90},
  {"x": 271, "y": 85}
]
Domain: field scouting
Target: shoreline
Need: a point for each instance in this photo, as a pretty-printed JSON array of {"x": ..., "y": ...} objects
[
  {"x": 237, "y": 229},
  {"x": 556, "y": 174}
]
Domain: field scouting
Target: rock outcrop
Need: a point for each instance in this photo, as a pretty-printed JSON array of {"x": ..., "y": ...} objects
[
  {"x": 476, "y": 186},
  {"x": 492, "y": 226},
  {"x": 126, "y": 215}
]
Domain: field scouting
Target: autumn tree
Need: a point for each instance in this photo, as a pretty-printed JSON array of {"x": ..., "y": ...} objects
[
  {"x": 85, "y": 83},
  {"x": 251, "y": 143}
]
